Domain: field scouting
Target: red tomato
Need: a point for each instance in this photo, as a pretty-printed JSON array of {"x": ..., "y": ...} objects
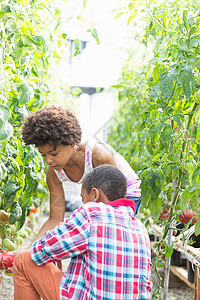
[
  {"x": 187, "y": 216},
  {"x": 6, "y": 260},
  {"x": 4, "y": 216},
  {"x": 164, "y": 216},
  {"x": 34, "y": 209}
]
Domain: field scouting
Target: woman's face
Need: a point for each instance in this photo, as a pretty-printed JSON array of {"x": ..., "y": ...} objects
[{"x": 56, "y": 156}]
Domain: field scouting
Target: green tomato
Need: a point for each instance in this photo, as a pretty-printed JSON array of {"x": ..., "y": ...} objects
[
  {"x": 23, "y": 233},
  {"x": 13, "y": 229},
  {"x": 160, "y": 263},
  {"x": 197, "y": 96},
  {"x": 9, "y": 245},
  {"x": 28, "y": 229}
]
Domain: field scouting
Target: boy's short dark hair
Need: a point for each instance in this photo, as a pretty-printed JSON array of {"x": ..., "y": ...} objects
[
  {"x": 109, "y": 179},
  {"x": 51, "y": 125}
]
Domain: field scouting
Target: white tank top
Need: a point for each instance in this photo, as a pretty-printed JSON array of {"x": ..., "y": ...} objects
[
  {"x": 133, "y": 183},
  {"x": 62, "y": 176}
]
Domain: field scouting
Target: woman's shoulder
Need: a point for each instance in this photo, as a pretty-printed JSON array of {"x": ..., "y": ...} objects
[{"x": 102, "y": 154}]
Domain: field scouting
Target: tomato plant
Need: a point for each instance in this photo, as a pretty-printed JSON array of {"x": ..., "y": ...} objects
[
  {"x": 28, "y": 49},
  {"x": 157, "y": 125},
  {"x": 24, "y": 61}
]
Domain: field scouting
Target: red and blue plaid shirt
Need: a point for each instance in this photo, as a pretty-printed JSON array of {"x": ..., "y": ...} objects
[{"x": 109, "y": 251}]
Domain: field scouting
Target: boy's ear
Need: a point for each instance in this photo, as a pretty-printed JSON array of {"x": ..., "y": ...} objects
[{"x": 95, "y": 194}]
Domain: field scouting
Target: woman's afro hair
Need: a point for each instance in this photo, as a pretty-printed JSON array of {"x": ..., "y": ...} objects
[{"x": 51, "y": 125}]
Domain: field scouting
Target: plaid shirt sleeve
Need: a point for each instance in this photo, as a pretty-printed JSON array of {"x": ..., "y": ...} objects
[{"x": 68, "y": 239}]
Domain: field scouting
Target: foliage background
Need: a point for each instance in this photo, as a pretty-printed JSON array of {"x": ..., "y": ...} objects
[
  {"x": 29, "y": 38},
  {"x": 157, "y": 126},
  {"x": 33, "y": 41},
  {"x": 158, "y": 118}
]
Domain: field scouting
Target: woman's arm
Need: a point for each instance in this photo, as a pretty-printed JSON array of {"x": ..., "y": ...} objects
[{"x": 57, "y": 203}]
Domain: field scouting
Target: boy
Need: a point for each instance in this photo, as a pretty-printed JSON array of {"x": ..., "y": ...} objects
[{"x": 109, "y": 248}]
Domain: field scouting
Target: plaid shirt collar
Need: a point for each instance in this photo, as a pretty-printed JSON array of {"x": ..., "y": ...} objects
[{"x": 123, "y": 202}]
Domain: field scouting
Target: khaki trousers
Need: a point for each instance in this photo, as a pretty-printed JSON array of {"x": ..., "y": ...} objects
[{"x": 31, "y": 282}]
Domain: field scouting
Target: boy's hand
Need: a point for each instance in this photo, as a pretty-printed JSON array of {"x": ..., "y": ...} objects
[{"x": 59, "y": 264}]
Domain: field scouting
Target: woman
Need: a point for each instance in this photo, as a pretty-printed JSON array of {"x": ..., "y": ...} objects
[{"x": 56, "y": 132}]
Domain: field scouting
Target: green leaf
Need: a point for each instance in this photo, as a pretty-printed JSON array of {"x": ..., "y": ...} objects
[
  {"x": 151, "y": 183},
  {"x": 197, "y": 227},
  {"x": 6, "y": 9},
  {"x": 177, "y": 119},
  {"x": 15, "y": 214},
  {"x": 1, "y": 173},
  {"x": 130, "y": 19},
  {"x": 185, "y": 18},
  {"x": 168, "y": 251},
  {"x": 185, "y": 77},
  {"x": 6, "y": 131},
  {"x": 196, "y": 177},
  {"x": 4, "y": 114},
  {"x": 119, "y": 14},
  {"x": 15, "y": 164},
  {"x": 26, "y": 95},
  {"x": 77, "y": 46},
  {"x": 23, "y": 217},
  {"x": 194, "y": 41},
  {"x": 19, "y": 53},
  {"x": 31, "y": 183},
  {"x": 182, "y": 45},
  {"x": 35, "y": 71},
  {"x": 166, "y": 133},
  {"x": 156, "y": 208},
  {"x": 11, "y": 187},
  {"x": 167, "y": 80},
  {"x": 193, "y": 30},
  {"x": 130, "y": 5},
  {"x": 184, "y": 200},
  {"x": 94, "y": 33}
]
